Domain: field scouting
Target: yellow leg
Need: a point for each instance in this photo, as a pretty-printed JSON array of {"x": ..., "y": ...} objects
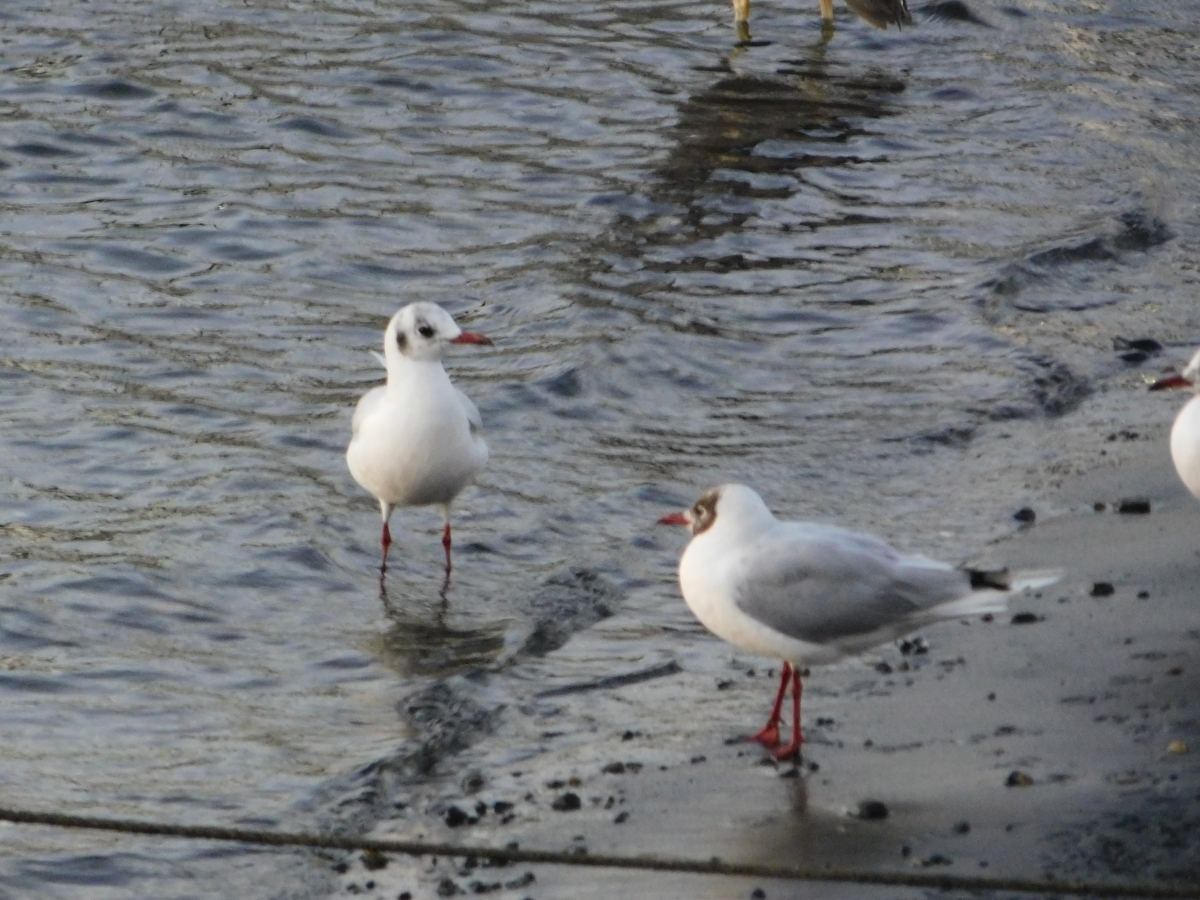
[
  {"x": 827, "y": 10},
  {"x": 741, "y": 11}
]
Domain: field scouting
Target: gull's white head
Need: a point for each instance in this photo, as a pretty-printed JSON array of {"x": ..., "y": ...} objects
[
  {"x": 733, "y": 505},
  {"x": 1189, "y": 377},
  {"x": 423, "y": 331}
]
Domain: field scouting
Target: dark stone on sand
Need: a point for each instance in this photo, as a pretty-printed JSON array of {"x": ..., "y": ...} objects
[
  {"x": 883, "y": 668},
  {"x": 1017, "y": 778},
  {"x": 568, "y": 802},
  {"x": 963, "y": 827},
  {"x": 758, "y": 894},
  {"x": 936, "y": 860},
  {"x": 1135, "y": 506},
  {"x": 1025, "y": 515},
  {"x": 500, "y": 807},
  {"x": 1025, "y": 618},
  {"x": 621, "y": 817},
  {"x": 614, "y": 768},
  {"x": 1103, "y": 589},
  {"x": 373, "y": 860},
  {"x": 630, "y": 735},
  {"x": 872, "y": 810},
  {"x": 447, "y": 888},
  {"x": 455, "y": 817}
]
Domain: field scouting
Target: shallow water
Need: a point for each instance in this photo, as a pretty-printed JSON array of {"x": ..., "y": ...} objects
[{"x": 877, "y": 276}]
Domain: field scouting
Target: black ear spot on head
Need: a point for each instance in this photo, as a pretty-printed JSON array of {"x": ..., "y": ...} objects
[
  {"x": 425, "y": 330},
  {"x": 401, "y": 340}
]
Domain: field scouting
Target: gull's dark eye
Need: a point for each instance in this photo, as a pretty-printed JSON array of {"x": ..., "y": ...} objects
[{"x": 425, "y": 331}]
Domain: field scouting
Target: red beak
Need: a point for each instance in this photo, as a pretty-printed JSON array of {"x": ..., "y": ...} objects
[
  {"x": 1171, "y": 381},
  {"x": 471, "y": 337},
  {"x": 673, "y": 519}
]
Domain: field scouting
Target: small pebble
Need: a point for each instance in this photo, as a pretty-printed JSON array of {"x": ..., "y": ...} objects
[
  {"x": 447, "y": 888},
  {"x": 1177, "y": 747},
  {"x": 963, "y": 827},
  {"x": 1099, "y": 506},
  {"x": 1025, "y": 515},
  {"x": 500, "y": 807},
  {"x": 758, "y": 894},
  {"x": 620, "y": 818},
  {"x": 936, "y": 860},
  {"x": 1025, "y": 618},
  {"x": 872, "y": 810},
  {"x": 1134, "y": 506},
  {"x": 630, "y": 735},
  {"x": 614, "y": 768},
  {"x": 404, "y": 895},
  {"x": 1103, "y": 589},
  {"x": 456, "y": 817},
  {"x": 373, "y": 860},
  {"x": 1143, "y": 595},
  {"x": 568, "y": 802},
  {"x": 1017, "y": 778}
]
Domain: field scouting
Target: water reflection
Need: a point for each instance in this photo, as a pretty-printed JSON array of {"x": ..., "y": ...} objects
[{"x": 420, "y": 639}]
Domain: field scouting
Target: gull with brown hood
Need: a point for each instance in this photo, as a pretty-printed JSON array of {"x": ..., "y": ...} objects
[
  {"x": 812, "y": 594},
  {"x": 1185, "y": 433}
]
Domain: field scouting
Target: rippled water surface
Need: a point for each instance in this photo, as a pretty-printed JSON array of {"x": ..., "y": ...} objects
[{"x": 876, "y": 275}]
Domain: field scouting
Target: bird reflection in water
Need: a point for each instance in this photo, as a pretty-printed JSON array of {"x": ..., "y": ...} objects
[
  {"x": 420, "y": 641},
  {"x": 880, "y": 13}
]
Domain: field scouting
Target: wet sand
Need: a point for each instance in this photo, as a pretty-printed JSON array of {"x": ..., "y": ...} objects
[{"x": 1045, "y": 747}]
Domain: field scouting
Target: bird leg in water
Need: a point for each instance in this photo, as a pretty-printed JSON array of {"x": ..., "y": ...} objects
[
  {"x": 769, "y": 736},
  {"x": 446, "y": 544},
  {"x": 797, "y": 739},
  {"x": 386, "y": 540}
]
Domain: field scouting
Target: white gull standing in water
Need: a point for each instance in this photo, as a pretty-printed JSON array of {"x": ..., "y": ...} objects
[
  {"x": 1185, "y": 433},
  {"x": 416, "y": 440},
  {"x": 811, "y": 594}
]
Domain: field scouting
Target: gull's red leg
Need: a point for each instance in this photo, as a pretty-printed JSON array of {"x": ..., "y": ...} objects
[
  {"x": 446, "y": 544},
  {"x": 770, "y": 733},
  {"x": 797, "y": 739},
  {"x": 387, "y": 542}
]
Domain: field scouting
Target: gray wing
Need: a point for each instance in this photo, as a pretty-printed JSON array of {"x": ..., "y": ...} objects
[
  {"x": 818, "y": 584},
  {"x": 472, "y": 412}
]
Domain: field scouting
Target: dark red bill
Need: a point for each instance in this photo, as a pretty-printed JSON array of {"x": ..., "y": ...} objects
[
  {"x": 673, "y": 519},
  {"x": 1171, "y": 381},
  {"x": 471, "y": 337}
]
